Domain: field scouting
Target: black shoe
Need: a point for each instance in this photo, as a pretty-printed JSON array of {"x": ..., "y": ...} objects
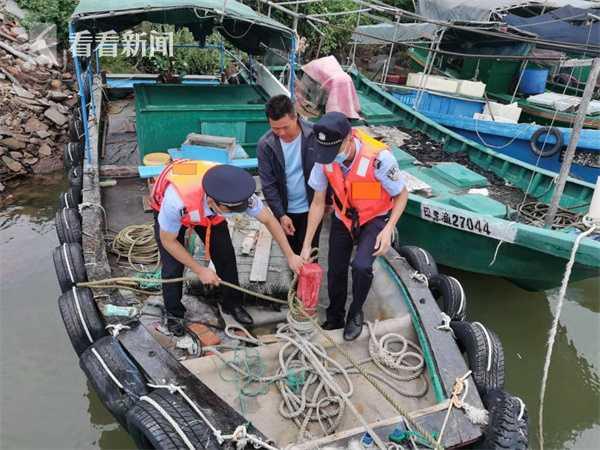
[
  {"x": 353, "y": 327},
  {"x": 240, "y": 314},
  {"x": 175, "y": 327},
  {"x": 332, "y": 324}
]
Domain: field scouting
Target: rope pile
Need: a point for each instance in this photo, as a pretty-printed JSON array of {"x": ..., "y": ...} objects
[
  {"x": 136, "y": 243},
  {"x": 535, "y": 212}
]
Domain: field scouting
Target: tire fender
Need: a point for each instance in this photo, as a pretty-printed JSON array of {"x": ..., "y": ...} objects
[
  {"x": 544, "y": 152},
  {"x": 149, "y": 428},
  {"x": 485, "y": 355},
  {"x": 72, "y": 154},
  {"x": 507, "y": 426},
  {"x": 69, "y": 265},
  {"x": 76, "y": 177},
  {"x": 115, "y": 378},
  {"x": 70, "y": 199},
  {"x": 450, "y": 296},
  {"x": 82, "y": 319},
  {"x": 420, "y": 260},
  {"x": 68, "y": 225}
]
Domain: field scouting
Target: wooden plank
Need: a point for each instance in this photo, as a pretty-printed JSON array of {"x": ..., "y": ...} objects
[
  {"x": 449, "y": 361},
  {"x": 248, "y": 242},
  {"x": 114, "y": 171},
  {"x": 162, "y": 368},
  {"x": 262, "y": 254}
]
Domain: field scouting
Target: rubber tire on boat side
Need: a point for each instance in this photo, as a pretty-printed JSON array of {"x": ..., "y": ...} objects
[
  {"x": 533, "y": 142},
  {"x": 69, "y": 312},
  {"x": 504, "y": 429},
  {"x": 472, "y": 340},
  {"x": 118, "y": 401},
  {"x": 150, "y": 430},
  {"x": 70, "y": 199},
  {"x": 450, "y": 295},
  {"x": 69, "y": 265},
  {"x": 420, "y": 260},
  {"x": 76, "y": 177},
  {"x": 68, "y": 225},
  {"x": 76, "y": 127},
  {"x": 72, "y": 154}
]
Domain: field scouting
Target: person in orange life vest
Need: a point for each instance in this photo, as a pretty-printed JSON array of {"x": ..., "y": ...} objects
[
  {"x": 369, "y": 196},
  {"x": 198, "y": 194}
]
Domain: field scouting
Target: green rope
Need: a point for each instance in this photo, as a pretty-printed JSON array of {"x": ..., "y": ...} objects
[{"x": 151, "y": 279}]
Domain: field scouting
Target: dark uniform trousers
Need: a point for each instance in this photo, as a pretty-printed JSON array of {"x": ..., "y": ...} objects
[
  {"x": 300, "y": 221},
  {"x": 222, "y": 255},
  {"x": 340, "y": 251}
]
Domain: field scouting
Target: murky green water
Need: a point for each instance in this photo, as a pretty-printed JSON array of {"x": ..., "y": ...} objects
[{"x": 46, "y": 401}]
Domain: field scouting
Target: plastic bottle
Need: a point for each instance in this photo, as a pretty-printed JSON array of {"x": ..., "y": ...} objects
[
  {"x": 120, "y": 311},
  {"x": 366, "y": 440}
]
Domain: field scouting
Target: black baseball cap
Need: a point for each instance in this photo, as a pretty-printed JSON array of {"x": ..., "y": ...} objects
[
  {"x": 229, "y": 186},
  {"x": 329, "y": 132}
]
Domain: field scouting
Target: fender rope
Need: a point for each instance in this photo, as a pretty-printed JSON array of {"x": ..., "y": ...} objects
[
  {"x": 108, "y": 371},
  {"x": 174, "y": 424},
  {"x": 462, "y": 296},
  {"x": 80, "y": 314},
  {"x": 64, "y": 252},
  {"x": 488, "y": 340}
]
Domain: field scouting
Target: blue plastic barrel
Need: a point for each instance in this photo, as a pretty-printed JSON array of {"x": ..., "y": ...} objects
[{"x": 533, "y": 81}]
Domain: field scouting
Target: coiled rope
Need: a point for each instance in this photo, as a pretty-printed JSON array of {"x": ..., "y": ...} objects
[{"x": 136, "y": 243}]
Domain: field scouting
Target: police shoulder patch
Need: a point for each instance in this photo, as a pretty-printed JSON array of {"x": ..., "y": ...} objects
[
  {"x": 394, "y": 173},
  {"x": 377, "y": 164}
]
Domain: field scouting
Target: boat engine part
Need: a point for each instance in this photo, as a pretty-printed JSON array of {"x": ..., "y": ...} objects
[
  {"x": 69, "y": 265},
  {"x": 420, "y": 260},
  {"x": 81, "y": 317},
  {"x": 450, "y": 295},
  {"x": 484, "y": 351},
  {"x": 543, "y": 151},
  {"x": 68, "y": 225},
  {"x": 507, "y": 424},
  {"x": 72, "y": 154},
  {"x": 165, "y": 420},
  {"x": 115, "y": 378}
]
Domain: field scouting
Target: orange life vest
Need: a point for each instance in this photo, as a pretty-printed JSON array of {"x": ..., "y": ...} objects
[
  {"x": 358, "y": 196},
  {"x": 186, "y": 177}
]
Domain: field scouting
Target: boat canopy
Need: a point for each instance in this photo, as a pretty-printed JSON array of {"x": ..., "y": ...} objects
[
  {"x": 564, "y": 24},
  {"x": 481, "y": 10},
  {"x": 245, "y": 28}
]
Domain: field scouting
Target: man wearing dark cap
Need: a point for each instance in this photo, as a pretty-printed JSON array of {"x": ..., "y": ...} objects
[
  {"x": 285, "y": 160},
  {"x": 197, "y": 194},
  {"x": 369, "y": 196}
]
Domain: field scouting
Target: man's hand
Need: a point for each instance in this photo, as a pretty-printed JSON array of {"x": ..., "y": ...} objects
[
  {"x": 296, "y": 262},
  {"x": 305, "y": 254},
  {"x": 287, "y": 225},
  {"x": 207, "y": 276},
  {"x": 383, "y": 241}
]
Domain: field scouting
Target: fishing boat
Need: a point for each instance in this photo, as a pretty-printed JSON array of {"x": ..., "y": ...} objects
[{"x": 284, "y": 383}]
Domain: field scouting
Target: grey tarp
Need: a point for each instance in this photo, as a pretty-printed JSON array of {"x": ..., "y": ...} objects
[
  {"x": 383, "y": 33},
  {"x": 480, "y": 10}
]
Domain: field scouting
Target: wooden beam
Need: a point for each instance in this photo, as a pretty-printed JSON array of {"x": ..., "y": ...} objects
[{"x": 262, "y": 254}]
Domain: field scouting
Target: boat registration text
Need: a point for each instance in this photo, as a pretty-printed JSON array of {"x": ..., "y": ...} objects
[{"x": 468, "y": 222}]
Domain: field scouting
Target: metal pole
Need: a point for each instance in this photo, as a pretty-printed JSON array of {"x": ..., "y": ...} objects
[{"x": 575, "y": 131}]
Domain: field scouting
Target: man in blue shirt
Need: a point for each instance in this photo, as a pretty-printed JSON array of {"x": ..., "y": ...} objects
[{"x": 285, "y": 160}]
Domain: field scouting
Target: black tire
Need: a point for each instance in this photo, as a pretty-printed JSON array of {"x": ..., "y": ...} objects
[
  {"x": 79, "y": 312},
  {"x": 150, "y": 430},
  {"x": 544, "y": 151},
  {"x": 70, "y": 199},
  {"x": 485, "y": 354},
  {"x": 72, "y": 154},
  {"x": 507, "y": 422},
  {"x": 118, "y": 400},
  {"x": 420, "y": 260},
  {"x": 68, "y": 225},
  {"x": 450, "y": 295},
  {"x": 69, "y": 265},
  {"x": 76, "y": 126},
  {"x": 76, "y": 177}
]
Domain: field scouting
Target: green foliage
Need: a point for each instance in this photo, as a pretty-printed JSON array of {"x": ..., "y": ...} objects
[{"x": 50, "y": 11}]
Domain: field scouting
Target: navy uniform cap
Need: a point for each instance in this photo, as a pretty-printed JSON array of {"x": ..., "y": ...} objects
[
  {"x": 228, "y": 185},
  {"x": 329, "y": 132}
]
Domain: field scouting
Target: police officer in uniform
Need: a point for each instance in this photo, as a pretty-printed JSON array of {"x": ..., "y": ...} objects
[
  {"x": 369, "y": 196},
  {"x": 198, "y": 194}
]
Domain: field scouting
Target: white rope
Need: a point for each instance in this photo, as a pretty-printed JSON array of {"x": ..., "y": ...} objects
[
  {"x": 80, "y": 314},
  {"x": 462, "y": 296},
  {"x": 115, "y": 329},
  {"x": 489, "y": 345},
  {"x": 554, "y": 328},
  {"x": 64, "y": 251},
  {"x": 416, "y": 275},
  {"x": 105, "y": 367},
  {"x": 445, "y": 326},
  {"x": 174, "y": 424},
  {"x": 522, "y": 410},
  {"x": 64, "y": 214}
]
